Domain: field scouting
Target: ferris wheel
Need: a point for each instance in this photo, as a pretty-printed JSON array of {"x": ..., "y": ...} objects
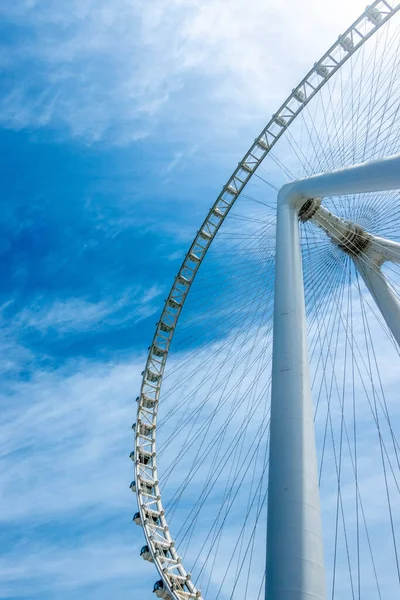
[{"x": 276, "y": 416}]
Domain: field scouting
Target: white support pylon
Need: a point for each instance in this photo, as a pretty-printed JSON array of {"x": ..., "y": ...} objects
[
  {"x": 295, "y": 562},
  {"x": 295, "y": 559}
]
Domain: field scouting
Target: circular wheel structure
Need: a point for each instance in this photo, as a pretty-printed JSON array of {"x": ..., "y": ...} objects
[{"x": 202, "y": 494}]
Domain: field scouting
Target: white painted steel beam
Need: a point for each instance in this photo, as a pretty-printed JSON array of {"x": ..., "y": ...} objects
[
  {"x": 295, "y": 560},
  {"x": 374, "y": 176},
  {"x": 295, "y": 564}
]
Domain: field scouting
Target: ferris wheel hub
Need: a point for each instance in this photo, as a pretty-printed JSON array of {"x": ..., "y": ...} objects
[
  {"x": 309, "y": 208},
  {"x": 346, "y": 235}
]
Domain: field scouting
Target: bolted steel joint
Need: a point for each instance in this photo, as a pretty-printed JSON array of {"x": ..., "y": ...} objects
[{"x": 309, "y": 208}]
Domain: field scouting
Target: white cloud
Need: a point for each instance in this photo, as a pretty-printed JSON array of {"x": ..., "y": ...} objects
[
  {"x": 77, "y": 314},
  {"x": 64, "y": 445},
  {"x": 55, "y": 444},
  {"x": 108, "y": 565},
  {"x": 112, "y": 70}
]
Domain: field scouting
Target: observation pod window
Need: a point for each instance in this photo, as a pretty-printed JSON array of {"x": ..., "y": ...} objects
[
  {"x": 148, "y": 402},
  {"x": 159, "y": 352},
  {"x": 136, "y": 518},
  {"x": 151, "y": 376},
  {"x": 374, "y": 16},
  {"x": 183, "y": 280},
  {"x": 147, "y": 488},
  {"x": 159, "y": 585},
  {"x": 165, "y": 327},
  {"x": 145, "y": 458}
]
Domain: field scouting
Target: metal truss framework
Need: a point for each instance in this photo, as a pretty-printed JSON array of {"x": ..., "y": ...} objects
[{"x": 176, "y": 581}]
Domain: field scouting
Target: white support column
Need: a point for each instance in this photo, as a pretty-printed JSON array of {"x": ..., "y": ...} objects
[{"x": 295, "y": 561}]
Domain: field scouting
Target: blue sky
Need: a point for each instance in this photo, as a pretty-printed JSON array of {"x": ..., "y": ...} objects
[{"x": 120, "y": 121}]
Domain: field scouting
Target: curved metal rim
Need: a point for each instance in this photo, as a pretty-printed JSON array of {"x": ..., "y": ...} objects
[{"x": 156, "y": 530}]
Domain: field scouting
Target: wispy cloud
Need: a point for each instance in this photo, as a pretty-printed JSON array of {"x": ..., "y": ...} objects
[
  {"x": 102, "y": 70},
  {"x": 98, "y": 568},
  {"x": 79, "y": 315},
  {"x": 62, "y": 437},
  {"x": 66, "y": 505}
]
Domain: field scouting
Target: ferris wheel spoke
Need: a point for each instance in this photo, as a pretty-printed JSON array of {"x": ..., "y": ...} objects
[
  {"x": 230, "y": 352},
  {"x": 212, "y": 358},
  {"x": 338, "y": 455},
  {"x": 217, "y": 410},
  {"x": 333, "y": 328},
  {"x": 222, "y": 384},
  {"x": 366, "y": 371},
  {"x": 227, "y": 504},
  {"x": 376, "y": 73},
  {"x": 381, "y": 444},
  {"x": 343, "y": 514},
  {"x": 332, "y": 434}
]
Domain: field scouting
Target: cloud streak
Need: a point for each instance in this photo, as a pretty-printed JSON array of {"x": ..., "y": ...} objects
[
  {"x": 114, "y": 72},
  {"x": 78, "y": 315}
]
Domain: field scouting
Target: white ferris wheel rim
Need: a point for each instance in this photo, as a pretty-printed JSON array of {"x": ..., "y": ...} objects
[{"x": 152, "y": 515}]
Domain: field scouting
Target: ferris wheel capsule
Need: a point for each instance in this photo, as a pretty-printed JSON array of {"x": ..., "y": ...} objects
[
  {"x": 151, "y": 376},
  {"x": 146, "y": 554},
  {"x": 374, "y": 16},
  {"x": 172, "y": 303},
  {"x": 261, "y": 142},
  {"x": 205, "y": 235},
  {"x": 232, "y": 190},
  {"x": 148, "y": 402},
  {"x": 162, "y": 551},
  {"x": 165, "y": 327},
  {"x": 246, "y": 167},
  {"x": 346, "y": 43},
  {"x": 146, "y": 487},
  {"x": 152, "y": 516},
  {"x": 217, "y": 212},
  {"x": 322, "y": 70},
  {"x": 137, "y": 518},
  {"x": 144, "y": 456},
  {"x": 145, "y": 429},
  {"x": 160, "y": 591},
  {"x": 299, "y": 95},
  {"x": 279, "y": 120}
]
